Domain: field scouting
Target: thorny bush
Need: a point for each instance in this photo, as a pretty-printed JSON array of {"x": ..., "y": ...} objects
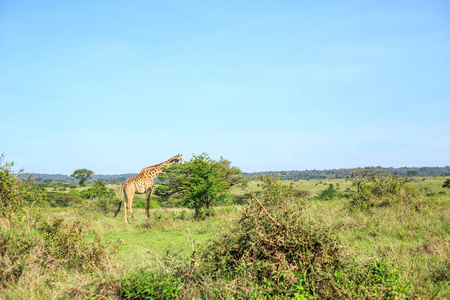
[
  {"x": 281, "y": 253},
  {"x": 273, "y": 241},
  {"x": 377, "y": 189}
]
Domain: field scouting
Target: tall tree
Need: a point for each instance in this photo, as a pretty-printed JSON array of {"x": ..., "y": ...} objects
[{"x": 82, "y": 175}]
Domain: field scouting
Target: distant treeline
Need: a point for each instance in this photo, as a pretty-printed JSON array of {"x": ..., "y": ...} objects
[
  {"x": 49, "y": 178},
  {"x": 307, "y": 174},
  {"x": 342, "y": 173}
]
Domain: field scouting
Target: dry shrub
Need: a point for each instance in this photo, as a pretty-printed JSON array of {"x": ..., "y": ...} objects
[
  {"x": 273, "y": 243},
  {"x": 274, "y": 239},
  {"x": 275, "y": 251}
]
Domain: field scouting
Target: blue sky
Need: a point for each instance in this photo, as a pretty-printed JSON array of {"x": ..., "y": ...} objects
[{"x": 115, "y": 86}]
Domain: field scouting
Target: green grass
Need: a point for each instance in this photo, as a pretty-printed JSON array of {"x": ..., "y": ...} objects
[{"x": 417, "y": 240}]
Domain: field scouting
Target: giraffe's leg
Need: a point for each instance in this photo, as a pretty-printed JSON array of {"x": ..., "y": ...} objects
[
  {"x": 131, "y": 207},
  {"x": 125, "y": 203},
  {"x": 129, "y": 194},
  {"x": 147, "y": 203}
]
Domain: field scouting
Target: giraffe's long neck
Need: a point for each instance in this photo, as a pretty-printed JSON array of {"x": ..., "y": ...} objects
[{"x": 154, "y": 171}]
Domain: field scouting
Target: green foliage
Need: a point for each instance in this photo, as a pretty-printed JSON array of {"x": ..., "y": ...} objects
[
  {"x": 377, "y": 279},
  {"x": 56, "y": 186},
  {"x": 98, "y": 190},
  {"x": 48, "y": 246},
  {"x": 14, "y": 250},
  {"x": 342, "y": 173},
  {"x": 14, "y": 194},
  {"x": 274, "y": 192},
  {"x": 412, "y": 173},
  {"x": 30, "y": 246},
  {"x": 65, "y": 246},
  {"x": 284, "y": 255},
  {"x": 199, "y": 183},
  {"x": 82, "y": 175},
  {"x": 101, "y": 198},
  {"x": 140, "y": 202},
  {"x": 297, "y": 290},
  {"x": 446, "y": 184},
  {"x": 377, "y": 189},
  {"x": 273, "y": 242},
  {"x": 329, "y": 193},
  {"x": 59, "y": 199},
  {"x": 145, "y": 284}
]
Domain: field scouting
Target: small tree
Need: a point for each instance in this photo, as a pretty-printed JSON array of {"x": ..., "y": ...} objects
[
  {"x": 199, "y": 183},
  {"x": 82, "y": 175}
]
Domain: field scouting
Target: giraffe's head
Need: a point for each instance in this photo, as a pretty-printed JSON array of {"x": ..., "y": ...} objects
[{"x": 177, "y": 159}]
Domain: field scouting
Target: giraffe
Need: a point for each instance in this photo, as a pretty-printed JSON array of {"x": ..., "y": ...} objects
[{"x": 143, "y": 184}]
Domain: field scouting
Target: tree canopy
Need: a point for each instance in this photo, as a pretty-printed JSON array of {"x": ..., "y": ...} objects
[
  {"x": 82, "y": 175},
  {"x": 199, "y": 183}
]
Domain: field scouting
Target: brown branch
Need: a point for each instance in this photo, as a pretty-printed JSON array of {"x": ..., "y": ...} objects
[
  {"x": 226, "y": 251},
  {"x": 265, "y": 210}
]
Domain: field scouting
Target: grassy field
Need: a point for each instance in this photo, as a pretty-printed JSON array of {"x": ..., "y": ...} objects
[{"x": 416, "y": 240}]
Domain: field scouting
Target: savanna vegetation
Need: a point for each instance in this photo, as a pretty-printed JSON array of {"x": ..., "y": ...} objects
[{"x": 370, "y": 235}]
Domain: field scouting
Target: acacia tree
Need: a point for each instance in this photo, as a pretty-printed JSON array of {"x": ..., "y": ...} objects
[
  {"x": 82, "y": 175},
  {"x": 199, "y": 183}
]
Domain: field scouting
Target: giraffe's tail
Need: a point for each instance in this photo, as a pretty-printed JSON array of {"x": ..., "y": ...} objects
[
  {"x": 118, "y": 209},
  {"x": 120, "y": 204}
]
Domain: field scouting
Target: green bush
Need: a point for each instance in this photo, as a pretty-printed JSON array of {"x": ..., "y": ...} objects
[
  {"x": 98, "y": 190},
  {"x": 30, "y": 245},
  {"x": 15, "y": 195},
  {"x": 145, "y": 284},
  {"x": 15, "y": 249},
  {"x": 377, "y": 189},
  {"x": 273, "y": 243},
  {"x": 446, "y": 184},
  {"x": 59, "y": 199},
  {"x": 330, "y": 193},
  {"x": 376, "y": 279},
  {"x": 66, "y": 246}
]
